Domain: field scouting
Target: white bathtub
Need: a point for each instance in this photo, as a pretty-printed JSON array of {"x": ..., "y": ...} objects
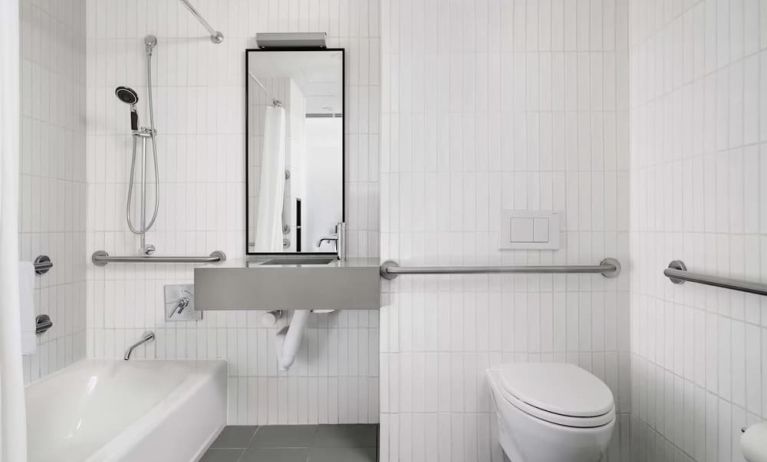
[{"x": 98, "y": 410}]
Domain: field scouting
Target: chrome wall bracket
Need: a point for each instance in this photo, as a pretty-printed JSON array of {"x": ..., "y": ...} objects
[
  {"x": 614, "y": 273},
  {"x": 42, "y": 324},
  {"x": 43, "y": 264},
  {"x": 386, "y": 272},
  {"x": 680, "y": 266}
]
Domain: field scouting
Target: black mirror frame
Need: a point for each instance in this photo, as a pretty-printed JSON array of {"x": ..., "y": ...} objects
[{"x": 343, "y": 143}]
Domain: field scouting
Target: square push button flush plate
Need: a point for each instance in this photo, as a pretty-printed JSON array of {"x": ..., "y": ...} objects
[{"x": 529, "y": 230}]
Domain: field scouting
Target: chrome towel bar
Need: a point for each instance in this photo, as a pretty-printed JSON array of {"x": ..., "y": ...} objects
[
  {"x": 101, "y": 258},
  {"x": 678, "y": 274},
  {"x": 609, "y": 268}
]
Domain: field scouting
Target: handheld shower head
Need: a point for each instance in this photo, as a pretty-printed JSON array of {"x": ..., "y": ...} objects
[
  {"x": 126, "y": 95},
  {"x": 129, "y": 96}
]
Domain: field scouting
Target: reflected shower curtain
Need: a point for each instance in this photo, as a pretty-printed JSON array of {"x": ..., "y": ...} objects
[
  {"x": 272, "y": 185},
  {"x": 13, "y": 426}
]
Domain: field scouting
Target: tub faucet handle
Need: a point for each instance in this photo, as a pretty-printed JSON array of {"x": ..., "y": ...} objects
[
  {"x": 179, "y": 303},
  {"x": 183, "y": 302}
]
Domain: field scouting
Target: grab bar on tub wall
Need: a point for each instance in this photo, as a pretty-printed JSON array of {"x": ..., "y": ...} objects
[
  {"x": 678, "y": 274},
  {"x": 101, "y": 258},
  {"x": 609, "y": 268}
]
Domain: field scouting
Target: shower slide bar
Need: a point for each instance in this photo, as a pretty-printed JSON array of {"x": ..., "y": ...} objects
[
  {"x": 609, "y": 268},
  {"x": 678, "y": 274},
  {"x": 215, "y": 36},
  {"x": 101, "y": 258}
]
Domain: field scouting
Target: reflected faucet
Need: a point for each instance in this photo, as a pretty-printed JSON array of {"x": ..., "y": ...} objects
[
  {"x": 328, "y": 239},
  {"x": 148, "y": 336}
]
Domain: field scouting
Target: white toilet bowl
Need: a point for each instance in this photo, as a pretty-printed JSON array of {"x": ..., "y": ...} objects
[{"x": 551, "y": 412}]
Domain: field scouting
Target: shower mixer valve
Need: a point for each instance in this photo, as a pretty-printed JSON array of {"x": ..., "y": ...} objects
[
  {"x": 183, "y": 302},
  {"x": 179, "y": 303}
]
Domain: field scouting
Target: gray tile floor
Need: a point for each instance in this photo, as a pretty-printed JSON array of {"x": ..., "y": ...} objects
[{"x": 295, "y": 443}]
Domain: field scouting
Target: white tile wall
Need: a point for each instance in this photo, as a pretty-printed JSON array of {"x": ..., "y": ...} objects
[
  {"x": 698, "y": 193},
  {"x": 200, "y": 107},
  {"x": 487, "y": 104},
  {"x": 492, "y": 104},
  {"x": 53, "y": 184}
]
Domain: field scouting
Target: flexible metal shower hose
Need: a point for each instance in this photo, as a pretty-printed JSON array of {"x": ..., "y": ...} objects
[{"x": 145, "y": 227}]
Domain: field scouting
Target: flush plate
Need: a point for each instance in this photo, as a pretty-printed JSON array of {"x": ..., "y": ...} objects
[{"x": 529, "y": 230}]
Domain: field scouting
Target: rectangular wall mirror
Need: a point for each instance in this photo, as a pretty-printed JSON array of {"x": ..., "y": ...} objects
[{"x": 295, "y": 150}]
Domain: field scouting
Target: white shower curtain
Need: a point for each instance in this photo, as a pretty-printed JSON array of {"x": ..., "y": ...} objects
[
  {"x": 270, "y": 194},
  {"x": 13, "y": 426}
]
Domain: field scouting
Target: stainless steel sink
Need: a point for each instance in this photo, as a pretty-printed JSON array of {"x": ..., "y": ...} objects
[{"x": 299, "y": 261}]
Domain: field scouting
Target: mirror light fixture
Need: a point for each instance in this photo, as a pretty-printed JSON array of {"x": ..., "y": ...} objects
[{"x": 274, "y": 40}]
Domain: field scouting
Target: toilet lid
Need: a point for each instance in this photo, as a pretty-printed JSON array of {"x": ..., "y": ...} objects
[{"x": 562, "y": 389}]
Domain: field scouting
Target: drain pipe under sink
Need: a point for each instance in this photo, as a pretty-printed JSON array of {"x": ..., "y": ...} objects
[{"x": 288, "y": 339}]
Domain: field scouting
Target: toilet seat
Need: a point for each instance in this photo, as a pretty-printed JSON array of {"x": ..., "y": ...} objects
[{"x": 561, "y": 394}]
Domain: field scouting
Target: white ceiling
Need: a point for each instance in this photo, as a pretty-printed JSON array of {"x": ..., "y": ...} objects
[{"x": 319, "y": 74}]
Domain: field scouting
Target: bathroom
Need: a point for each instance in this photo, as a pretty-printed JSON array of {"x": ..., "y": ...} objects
[{"x": 543, "y": 231}]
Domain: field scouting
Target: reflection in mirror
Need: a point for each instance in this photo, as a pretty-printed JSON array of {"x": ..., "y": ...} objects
[{"x": 295, "y": 154}]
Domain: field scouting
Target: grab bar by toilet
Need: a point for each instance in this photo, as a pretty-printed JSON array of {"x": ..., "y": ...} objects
[
  {"x": 101, "y": 258},
  {"x": 678, "y": 274},
  {"x": 609, "y": 268}
]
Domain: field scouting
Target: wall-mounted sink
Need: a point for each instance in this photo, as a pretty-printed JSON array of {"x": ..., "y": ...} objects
[
  {"x": 302, "y": 260},
  {"x": 289, "y": 283}
]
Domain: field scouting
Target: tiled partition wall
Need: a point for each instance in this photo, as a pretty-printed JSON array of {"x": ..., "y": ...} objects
[
  {"x": 491, "y": 105},
  {"x": 200, "y": 111},
  {"x": 53, "y": 184},
  {"x": 699, "y": 194}
]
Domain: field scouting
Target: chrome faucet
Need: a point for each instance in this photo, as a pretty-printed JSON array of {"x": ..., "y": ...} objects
[
  {"x": 338, "y": 238},
  {"x": 328, "y": 239},
  {"x": 148, "y": 336}
]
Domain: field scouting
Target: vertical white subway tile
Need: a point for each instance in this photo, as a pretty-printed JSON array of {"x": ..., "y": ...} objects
[{"x": 708, "y": 109}]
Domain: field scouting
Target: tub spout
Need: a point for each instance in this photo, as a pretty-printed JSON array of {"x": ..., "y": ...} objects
[{"x": 148, "y": 336}]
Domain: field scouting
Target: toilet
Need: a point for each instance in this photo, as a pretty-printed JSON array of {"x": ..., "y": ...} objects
[{"x": 551, "y": 412}]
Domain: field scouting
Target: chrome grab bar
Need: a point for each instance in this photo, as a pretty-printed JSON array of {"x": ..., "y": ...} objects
[
  {"x": 101, "y": 258},
  {"x": 678, "y": 274},
  {"x": 609, "y": 268}
]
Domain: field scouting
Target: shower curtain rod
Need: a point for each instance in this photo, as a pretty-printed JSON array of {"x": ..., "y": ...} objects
[
  {"x": 275, "y": 101},
  {"x": 215, "y": 36}
]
